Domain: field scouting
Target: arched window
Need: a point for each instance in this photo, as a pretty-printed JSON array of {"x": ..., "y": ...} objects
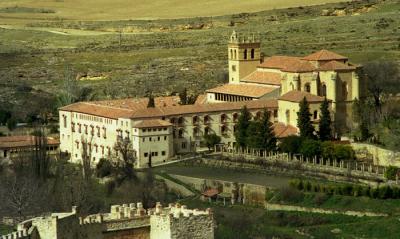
[
  {"x": 252, "y": 53},
  {"x": 344, "y": 90},
  {"x": 180, "y": 133},
  {"x": 196, "y": 132},
  {"x": 315, "y": 114},
  {"x": 287, "y": 117},
  {"x": 195, "y": 119},
  {"x": 172, "y": 120},
  {"x": 235, "y": 56},
  {"x": 231, "y": 56},
  {"x": 235, "y": 117},
  {"x": 224, "y": 129},
  {"x": 65, "y": 121},
  {"x": 323, "y": 90},
  {"x": 258, "y": 115},
  {"x": 206, "y": 119},
  {"x": 307, "y": 87},
  {"x": 245, "y": 54},
  {"x": 181, "y": 120},
  {"x": 223, "y": 118},
  {"x": 291, "y": 86},
  {"x": 206, "y": 130}
]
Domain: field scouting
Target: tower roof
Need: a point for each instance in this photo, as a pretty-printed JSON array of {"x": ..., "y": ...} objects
[{"x": 324, "y": 55}]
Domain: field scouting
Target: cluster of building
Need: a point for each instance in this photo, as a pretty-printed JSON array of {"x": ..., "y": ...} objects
[
  {"x": 124, "y": 221},
  {"x": 277, "y": 84}
]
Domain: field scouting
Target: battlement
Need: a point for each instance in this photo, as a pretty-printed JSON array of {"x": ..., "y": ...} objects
[
  {"x": 237, "y": 38},
  {"x": 20, "y": 234}
]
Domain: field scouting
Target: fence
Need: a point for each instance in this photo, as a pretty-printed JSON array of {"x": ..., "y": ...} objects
[{"x": 346, "y": 167}]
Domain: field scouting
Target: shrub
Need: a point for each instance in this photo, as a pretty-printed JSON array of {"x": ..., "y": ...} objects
[
  {"x": 320, "y": 198},
  {"x": 11, "y": 123},
  {"x": 374, "y": 192},
  {"x": 391, "y": 172},
  {"x": 327, "y": 150},
  {"x": 307, "y": 186},
  {"x": 291, "y": 195},
  {"x": 346, "y": 190},
  {"x": 357, "y": 191},
  {"x": 103, "y": 168},
  {"x": 310, "y": 148},
  {"x": 385, "y": 192},
  {"x": 291, "y": 144},
  {"x": 344, "y": 152}
]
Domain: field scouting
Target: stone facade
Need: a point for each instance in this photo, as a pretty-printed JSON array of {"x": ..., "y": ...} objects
[
  {"x": 123, "y": 222},
  {"x": 377, "y": 155}
]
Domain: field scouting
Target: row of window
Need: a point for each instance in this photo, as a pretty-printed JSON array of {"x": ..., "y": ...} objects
[
  {"x": 92, "y": 129},
  {"x": 154, "y": 154},
  {"x": 153, "y": 129},
  {"x": 153, "y": 139},
  {"x": 234, "y": 55}
]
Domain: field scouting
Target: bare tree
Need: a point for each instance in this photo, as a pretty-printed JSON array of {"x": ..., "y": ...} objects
[
  {"x": 125, "y": 157},
  {"x": 86, "y": 155}
]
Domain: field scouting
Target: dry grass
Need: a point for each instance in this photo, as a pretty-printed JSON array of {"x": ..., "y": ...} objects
[{"x": 139, "y": 9}]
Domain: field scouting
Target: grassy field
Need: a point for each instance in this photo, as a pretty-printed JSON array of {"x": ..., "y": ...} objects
[
  {"x": 166, "y": 55},
  {"x": 136, "y": 9},
  {"x": 246, "y": 222}
]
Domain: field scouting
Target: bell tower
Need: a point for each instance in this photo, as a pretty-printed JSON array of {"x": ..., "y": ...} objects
[{"x": 244, "y": 56}]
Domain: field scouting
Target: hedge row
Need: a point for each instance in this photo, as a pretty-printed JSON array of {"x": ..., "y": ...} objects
[{"x": 384, "y": 192}]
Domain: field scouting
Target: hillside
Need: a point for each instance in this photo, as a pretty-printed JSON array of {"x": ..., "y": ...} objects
[
  {"x": 127, "y": 58},
  {"x": 136, "y": 9}
]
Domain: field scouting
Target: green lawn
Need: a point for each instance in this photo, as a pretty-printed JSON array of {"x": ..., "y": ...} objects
[
  {"x": 5, "y": 229},
  {"x": 248, "y": 222}
]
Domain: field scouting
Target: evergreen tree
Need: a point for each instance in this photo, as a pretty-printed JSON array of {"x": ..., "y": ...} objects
[
  {"x": 151, "y": 103},
  {"x": 183, "y": 97},
  {"x": 242, "y": 125},
  {"x": 325, "y": 131},
  {"x": 260, "y": 133},
  {"x": 267, "y": 132},
  {"x": 304, "y": 120}
]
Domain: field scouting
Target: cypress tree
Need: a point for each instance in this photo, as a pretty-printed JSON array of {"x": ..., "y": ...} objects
[
  {"x": 304, "y": 120},
  {"x": 325, "y": 131},
  {"x": 241, "y": 127},
  {"x": 151, "y": 103},
  {"x": 267, "y": 132}
]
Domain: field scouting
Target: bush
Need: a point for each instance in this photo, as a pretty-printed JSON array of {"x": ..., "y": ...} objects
[
  {"x": 292, "y": 195},
  {"x": 344, "y": 152},
  {"x": 103, "y": 168},
  {"x": 320, "y": 198},
  {"x": 391, "y": 172},
  {"x": 327, "y": 150},
  {"x": 291, "y": 144},
  {"x": 385, "y": 192},
  {"x": 310, "y": 148}
]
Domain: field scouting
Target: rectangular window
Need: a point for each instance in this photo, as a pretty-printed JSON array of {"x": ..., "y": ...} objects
[
  {"x": 184, "y": 145},
  {"x": 233, "y": 68},
  {"x": 165, "y": 137},
  {"x": 144, "y": 139},
  {"x": 163, "y": 153},
  {"x": 149, "y": 138},
  {"x": 146, "y": 154},
  {"x": 158, "y": 138}
]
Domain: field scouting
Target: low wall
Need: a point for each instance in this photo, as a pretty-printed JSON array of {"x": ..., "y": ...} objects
[
  {"x": 246, "y": 193},
  {"x": 175, "y": 187},
  {"x": 379, "y": 156},
  {"x": 280, "y": 207}
]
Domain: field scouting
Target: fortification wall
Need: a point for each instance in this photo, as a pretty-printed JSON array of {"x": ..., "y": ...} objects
[
  {"x": 177, "y": 222},
  {"x": 379, "y": 156}
]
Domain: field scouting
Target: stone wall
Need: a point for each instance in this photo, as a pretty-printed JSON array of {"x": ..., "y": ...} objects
[
  {"x": 177, "y": 222},
  {"x": 176, "y": 188},
  {"x": 247, "y": 193},
  {"x": 379, "y": 156}
]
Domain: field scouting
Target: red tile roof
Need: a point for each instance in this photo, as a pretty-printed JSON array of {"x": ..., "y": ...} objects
[
  {"x": 287, "y": 64},
  {"x": 139, "y": 103},
  {"x": 23, "y": 141},
  {"x": 152, "y": 124},
  {"x": 120, "y": 108},
  {"x": 201, "y": 99},
  {"x": 211, "y": 192},
  {"x": 335, "y": 66},
  {"x": 324, "y": 55},
  {"x": 297, "y": 96},
  {"x": 281, "y": 130},
  {"x": 247, "y": 90},
  {"x": 263, "y": 77},
  {"x": 205, "y": 108}
]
